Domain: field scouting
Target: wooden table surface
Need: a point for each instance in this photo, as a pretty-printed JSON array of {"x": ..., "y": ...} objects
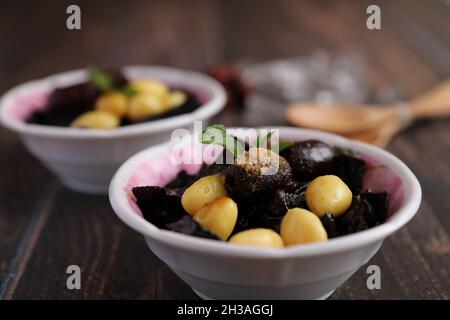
[{"x": 45, "y": 227}]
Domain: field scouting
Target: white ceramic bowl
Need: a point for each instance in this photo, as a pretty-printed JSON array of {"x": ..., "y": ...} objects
[
  {"x": 218, "y": 270},
  {"x": 85, "y": 160}
]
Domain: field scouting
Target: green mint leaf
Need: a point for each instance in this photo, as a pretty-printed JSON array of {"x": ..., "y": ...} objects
[
  {"x": 264, "y": 141},
  {"x": 213, "y": 134},
  {"x": 101, "y": 80},
  {"x": 339, "y": 150},
  {"x": 282, "y": 145},
  {"x": 128, "y": 91},
  {"x": 217, "y": 134}
]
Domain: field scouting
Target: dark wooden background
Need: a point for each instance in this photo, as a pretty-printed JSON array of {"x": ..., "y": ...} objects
[{"x": 45, "y": 227}]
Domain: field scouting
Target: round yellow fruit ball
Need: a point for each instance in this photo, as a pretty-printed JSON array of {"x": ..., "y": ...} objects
[
  {"x": 219, "y": 217},
  {"x": 144, "y": 105},
  {"x": 259, "y": 237},
  {"x": 113, "y": 102},
  {"x": 301, "y": 226},
  {"x": 202, "y": 192},
  {"x": 176, "y": 99},
  {"x": 96, "y": 119},
  {"x": 328, "y": 194},
  {"x": 152, "y": 87}
]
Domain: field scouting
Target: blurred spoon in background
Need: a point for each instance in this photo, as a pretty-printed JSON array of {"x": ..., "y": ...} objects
[{"x": 375, "y": 124}]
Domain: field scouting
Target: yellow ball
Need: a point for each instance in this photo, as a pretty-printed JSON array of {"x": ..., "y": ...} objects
[
  {"x": 202, "y": 192},
  {"x": 144, "y": 105},
  {"x": 176, "y": 99},
  {"x": 96, "y": 119},
  {"x": 219, "y": 217},
  {"x": 113, "y": 102},
  {"x": 328, "y": 194},
  {"x": 301, "y": 226},
  {"x": 152, "y": 87},
  {"x": 259, "y": 237}
]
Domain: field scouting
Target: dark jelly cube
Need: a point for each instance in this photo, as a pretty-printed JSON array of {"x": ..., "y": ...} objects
[
  {"x": 163, "y": 208},
  {"x": 376, "y": 204},
  {"x": 354, "y": 219},
  {"x": 158, "y": 205},
  {"x": 368, "y": 210},
  {"x": 79, "y": 97},
  {"x": 330, "y": 225},
  {"x": 283, "y": 200},
  {"x": 351, "y": 170},
  {"x": 65, "y": 104},
  {"x": 309, "y": 159},
  {"x": 211, "y": 169},
  {"x": 187, "y": 225},
  {"x": 181, "y": 182}
]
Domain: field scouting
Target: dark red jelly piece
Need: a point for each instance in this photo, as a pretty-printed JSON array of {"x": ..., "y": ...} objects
[
  {"x": 351, "y": 170},
  {"x": 187, "y": 225},
  {"x": 162, "y": 207},
  {"x": 158, "y": 205},
  {"x": 309, "y": 159}
]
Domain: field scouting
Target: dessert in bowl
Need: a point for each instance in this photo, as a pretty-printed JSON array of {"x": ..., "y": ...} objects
[
  {"x": 84, "y": 133},
  {"x": 305, "y": 253}
]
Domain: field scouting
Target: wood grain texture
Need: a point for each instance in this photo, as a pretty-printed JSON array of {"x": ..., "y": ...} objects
[
  {"x": 16, "y": 213},
  {"x": 44, "y": 227}
]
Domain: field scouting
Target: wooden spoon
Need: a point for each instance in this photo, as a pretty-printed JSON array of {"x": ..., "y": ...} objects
[
  {"x": 379, "y": 136},
  {"x": 349, "y": 120}
]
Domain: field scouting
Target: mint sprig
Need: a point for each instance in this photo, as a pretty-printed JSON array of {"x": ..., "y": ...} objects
[
  {"x": 101, "y": 80},
  {"x": 342, "y": 151},
  {"x": 264, "y": 140},
  {"x": 128, "y": 91},
  {"x": 105, "y": 82},
  {"x": 217, "y": 134},
  {"x": 283, "y": 145}
]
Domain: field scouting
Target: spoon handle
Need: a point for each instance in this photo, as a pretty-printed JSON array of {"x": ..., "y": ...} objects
[{"x": 432, "y": 103}]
